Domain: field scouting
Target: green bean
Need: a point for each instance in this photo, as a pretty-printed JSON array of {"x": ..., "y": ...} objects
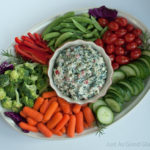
[
  {"x": 96, "y": 24},
  {"x": 48, "y": 36},
  {"x": 79, "y": 26},
  {"x": 103, "y": 31},
  {"x": 90, "y": 26},
  {"x": 57, "y": 21},
  {"x": 79, "y": 19},
  {"x": 70, "y": 30},
  {"x": 52, "y": 42},
  {"x": 62, "y": 38}
]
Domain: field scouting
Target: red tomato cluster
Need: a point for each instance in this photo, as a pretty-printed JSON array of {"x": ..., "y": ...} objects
[{"x": 120, "y": 41}]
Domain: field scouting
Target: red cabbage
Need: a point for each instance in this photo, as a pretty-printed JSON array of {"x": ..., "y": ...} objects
[
  {"x": 16, "y": 118},
  {"x": 5, "y": 66},
  {"x": 103, "y": 12}
]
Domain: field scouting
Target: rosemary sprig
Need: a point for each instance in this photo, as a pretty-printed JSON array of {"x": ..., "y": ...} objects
[
  {"x": 100, "y": 129},
  {"x": 145, "y": 37}
]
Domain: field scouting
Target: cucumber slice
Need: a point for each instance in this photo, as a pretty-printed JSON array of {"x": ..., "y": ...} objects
[
  {"x": 97, "y": 104},
  {"x": 113, "y": 104},
  {"x": 104, "y": 115},
  {"x": 91, "y": 106},
  {"x": 129, "y": 71},
  {"x": 128, "y": 85},
  {"x": 146, "y": 53},
  {"x": 146, "y": 62},
  {"x": 117, "y": 76}
]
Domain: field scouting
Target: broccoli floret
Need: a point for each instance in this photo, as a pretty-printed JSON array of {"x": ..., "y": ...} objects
[
  {"x": 27, "y": 102},
  {"x": 8, "y": 72},
  {"x": 31, "y": 79},
  {"x": 14, "y": 76},
  {"x": 4, "y": 80},
  {"x": 29, "y": 90},
  {"x": 23, "y": 73},
  {"x": 30, "y": 66},
  {"x": 10, "y": 90},
  {"x": 42, "y": 84},
  {"x": 16, "y": 104},
  {"x": 6, "y": 103},
  {"x": 2, "y": 94},
  {"x": 45, "y": 69},
  {"x": 39, "y": 69}
]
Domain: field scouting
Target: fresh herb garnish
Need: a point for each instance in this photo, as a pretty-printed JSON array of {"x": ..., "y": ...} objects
[{"x": 101, "y": 128}]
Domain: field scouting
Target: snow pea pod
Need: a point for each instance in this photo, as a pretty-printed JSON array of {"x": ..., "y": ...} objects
[
  {"x": 62, "y": 38},
  {"x": 103, "y": 31},
  {"x": 79, "y": 26},
  {"x": 96, "y": 24},
  {"x": 91, "y": 39},
  {"x": 85, "y": 15},
  {"x": 70, "y": 30},
  {"x": 90, "y": 26},
  {"x": 64, "y": 25},
  {"x": 52, "y": 42},
  {"x": 91, "y": 34},
  {"x": 48, "y": 36},
  {"x": 57, "y": 21}
]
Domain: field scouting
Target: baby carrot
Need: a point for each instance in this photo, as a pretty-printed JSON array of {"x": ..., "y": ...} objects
[
  {"x": 22, "y": 114},
  {"x": 30, "y": 112},
  {"x": 39, "y": 101},
  {"x": 55, "y": 120},
  {"x": 52, "y": 100},
  {"x": 79, "y": 122},
  {"x": 31, "y": 121},
  {"x": 44, "y": 106},
  {"x": 59, "y": 133},
  {"x": 44, "y": 130},
  {"x": 28, "y": 127},
  {"x": 85, "y": 125},
  {"x": 65, "y": 106},
  {"x": 88, "y": 115},
  {"x": 62, "y": 123},
  {"x": 76, "y": 108},
  {"x": 63, "y": 130},
  {"x": 71, "y": 126},
  {"x": 58, "y": 109},
  {"x": 50, "y": 111},
  {"x": 49, "y": 94}
]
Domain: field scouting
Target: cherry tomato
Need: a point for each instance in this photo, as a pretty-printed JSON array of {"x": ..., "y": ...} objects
[
  {"x": 119, "y": 50},
  {"x": 129, "y": 27},
  {"x": 121, "y": 32},
  {"x": 131, "y": 46},
  {"x": 112, "y": 57},
  {"x": 115, "y": 66},
  {"x": 110, "y": 49},
  {"x": 113, "y": 26},
  {"x": 103, "y": 22},
  {"x": 126, "y": 53},
  {"x": 135, "y": 54},
  {"x": 99, "y": 42},
  {"x": 119, "y": 42},
  {"x": 138, "y": 41},
  {"x": 121, "y": 60},
  {"x": 111, "y": 39},
  {"x": 137, "y": 32},
  {"x": 121, "y": 21},
  {"x": 129, "y": 37},
  {"x": 106, "y": 34}
]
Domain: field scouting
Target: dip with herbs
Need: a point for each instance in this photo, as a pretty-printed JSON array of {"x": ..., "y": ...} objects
[{"x": 80, "y": 72}]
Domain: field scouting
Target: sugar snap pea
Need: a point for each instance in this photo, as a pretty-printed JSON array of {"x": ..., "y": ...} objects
[
  {"x": 57, "y": 21},
  {"x": 91, "y": 39},
  {"x": 62, "y": 38},
  {"x": 85, "y": 15},
  {"x": 64, "y": 25},
  {"x": 90, "y": 34},
  {"x": 103, "y": 31},
  {"x": 90, "y": 26},
  {"x": 48, "y": 36},
  {"x": 79, "y": 26},
  {"x": 70, "y": 30},
  {"x": 51, "y": 42},
  {"x": 96, "y": 24}
]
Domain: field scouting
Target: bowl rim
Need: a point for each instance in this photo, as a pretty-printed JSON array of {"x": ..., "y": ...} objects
[{"x": 106, "y": 60}]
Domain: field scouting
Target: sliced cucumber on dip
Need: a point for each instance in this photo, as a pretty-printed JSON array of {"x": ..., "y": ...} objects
[
  {"x": 97, "y": 104},
  {"x": 104, "y": 115}
]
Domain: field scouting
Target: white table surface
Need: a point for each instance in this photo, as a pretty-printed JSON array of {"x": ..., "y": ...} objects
[{"x": 131, "y": 132}]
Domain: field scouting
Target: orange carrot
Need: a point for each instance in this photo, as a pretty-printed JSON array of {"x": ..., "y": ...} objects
[
  {"x": 65, "y": 106},
  {"x": 52, "y": 100},
  {"x": 31, "y": 121},
  {"x": 79, "y": 122},
  {"x": 71, "y": 126},
  {"x": 22, "y": 114},
  {"x": 44, "y": 106},
  {"x": 76, "y": 108},
  {"x": 30, "y": 112},
  {"x": 85, "y": 125},
  {"x": 50, "y": 111},
  {"x": 44, "y": 130},
  {"x": 49, "y": 94},
  {"x": 84, "y": 105},
  {"x": 59, "y": 133},
  {"x": 58, "y": 109},
  {"x": 28, "y": 127},
  {"x": 88, "y": 115},
  {"x": 39, "y": 101},
  {"x": 62, "y": 123},
  {"x": 63, "y": 130},
  {"x": 55, "y": 120}
]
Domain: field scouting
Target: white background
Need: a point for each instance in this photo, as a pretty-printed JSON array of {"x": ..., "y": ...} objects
[{"x": 131, "y": 132}]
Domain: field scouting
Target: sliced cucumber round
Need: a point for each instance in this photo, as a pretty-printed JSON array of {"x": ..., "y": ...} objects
[
  {"x": 136, "y": 69},
  {"x": 104, "y": 115},
  {"x": 97, "y": 104},
  {"x": 117, "y": 76},
  {"x": 129, "y": 71},
  {"x": 146, "y": 53}
]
